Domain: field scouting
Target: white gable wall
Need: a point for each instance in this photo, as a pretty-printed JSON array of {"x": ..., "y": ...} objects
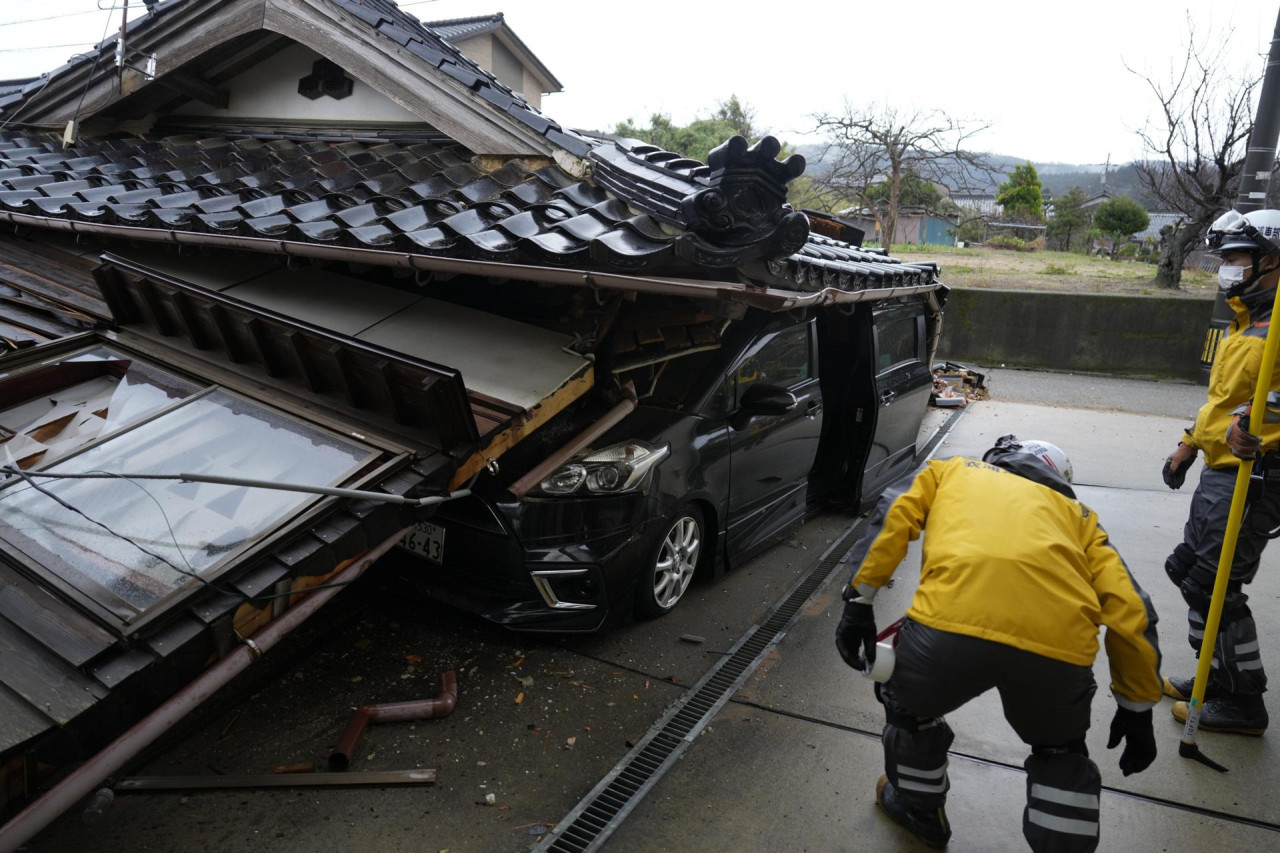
[{"x": 269, "y": 91}]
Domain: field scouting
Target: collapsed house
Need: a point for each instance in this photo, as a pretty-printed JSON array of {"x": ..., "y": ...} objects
[{"x": 310, "y": 243}]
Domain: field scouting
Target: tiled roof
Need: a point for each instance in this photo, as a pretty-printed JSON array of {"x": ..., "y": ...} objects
[
  {"x": 382, "y": 16},
  {"x": 8, "y": 87},
  {"x": 456, "y": 29},
  {"x": 645, "y": 209},
  {"x": 395, "y": 23},
  {"x": 1156, "y": 221},
  {"x": 460, "y": 29}
]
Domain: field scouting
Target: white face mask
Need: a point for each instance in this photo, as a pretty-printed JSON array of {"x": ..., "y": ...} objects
[{"x": 1229, "y": 277}]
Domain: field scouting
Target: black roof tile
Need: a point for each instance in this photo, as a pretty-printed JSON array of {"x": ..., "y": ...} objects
[{"x": 642, "y": 208}]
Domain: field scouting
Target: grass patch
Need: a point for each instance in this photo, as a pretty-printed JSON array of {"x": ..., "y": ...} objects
[{"x": 1058, "y": 269}]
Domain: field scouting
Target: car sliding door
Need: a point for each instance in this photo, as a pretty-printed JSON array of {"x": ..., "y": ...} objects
[{"x": 902, "y": 383}]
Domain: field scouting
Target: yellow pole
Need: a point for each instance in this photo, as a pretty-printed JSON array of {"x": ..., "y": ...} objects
[{"x": 1257, "y": 419}]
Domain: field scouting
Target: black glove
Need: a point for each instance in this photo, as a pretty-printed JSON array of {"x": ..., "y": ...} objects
[
  {"x": 1134, "y": 728},
  {"x": 1242, "y": 443},
  {"x": 856, "y": 634},
  {"x": 1176, "y": 466}
]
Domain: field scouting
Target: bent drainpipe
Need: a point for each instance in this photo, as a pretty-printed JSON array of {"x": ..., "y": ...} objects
[
  {"x": 88, "y": 776},
  {"x": 582, "y": 440},
  {"x": 393, "y": 712}
]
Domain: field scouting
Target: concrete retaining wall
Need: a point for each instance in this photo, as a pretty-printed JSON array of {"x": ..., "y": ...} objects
[{"x": 1085, "y": 332}]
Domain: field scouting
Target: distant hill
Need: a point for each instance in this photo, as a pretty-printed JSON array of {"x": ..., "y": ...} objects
[{"x": 1057, "y": 178}]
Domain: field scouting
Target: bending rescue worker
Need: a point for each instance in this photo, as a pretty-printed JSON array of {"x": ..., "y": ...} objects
[
  {"x": 1225, "y": 431},
  {"x": 1016, "y": 577}
]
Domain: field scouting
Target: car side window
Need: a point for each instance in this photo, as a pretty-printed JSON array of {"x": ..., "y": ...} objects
[
  {"x": 898, "y": 339},
  {"x": 784, "y": 360}
]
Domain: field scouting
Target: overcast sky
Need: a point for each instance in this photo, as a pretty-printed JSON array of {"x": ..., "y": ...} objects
[{"x": 1049, "y": 78}]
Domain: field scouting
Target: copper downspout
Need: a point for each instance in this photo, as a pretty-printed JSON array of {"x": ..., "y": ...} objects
[
  {"x": 582, "y": 440},
  {"x": 88, "y": 776},
  {"x": 393, "y": 712}
]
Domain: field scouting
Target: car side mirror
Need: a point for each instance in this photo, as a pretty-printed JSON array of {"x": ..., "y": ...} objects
[{"x": 765, "y": 399}]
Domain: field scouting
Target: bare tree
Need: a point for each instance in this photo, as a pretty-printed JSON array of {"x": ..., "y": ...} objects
[
  {"x": 1195, "y": 147},
  {"x": 870, "y": 145}
]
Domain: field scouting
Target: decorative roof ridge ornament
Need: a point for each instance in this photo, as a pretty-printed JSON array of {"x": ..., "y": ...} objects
[
  {"x": 745, "y": 201},
  {"x": 730, "y": 210}
]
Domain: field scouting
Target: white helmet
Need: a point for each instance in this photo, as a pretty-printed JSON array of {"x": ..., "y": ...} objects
[
  {"x": 1036, "y": 460},
  {"x": 1051, "y": 455},
  {"x": 1234, "y": 231},
  {"x": 1256, "y": 232}
]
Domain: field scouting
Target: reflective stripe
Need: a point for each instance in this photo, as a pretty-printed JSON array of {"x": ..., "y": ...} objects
[
  {"x": 1066, "y": 798},
  {"x": 1053, "y": 823},
  {"x": 1249, "y": 664},
  {"x": 924, "y": 774},
  {"x": 1199, "y": 635},
  {"x": 1195, "y": 618},
  {"x": 912, "y": 785},
  {"x": 1247, "y": 647}
]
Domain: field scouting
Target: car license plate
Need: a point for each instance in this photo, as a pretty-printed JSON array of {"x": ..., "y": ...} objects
[{"x": 426, "y": 539}]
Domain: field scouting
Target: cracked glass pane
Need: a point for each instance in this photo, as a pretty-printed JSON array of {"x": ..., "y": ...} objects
[
  {"x": 54, "y": 410},
  {"x": 143, "y": 539}
]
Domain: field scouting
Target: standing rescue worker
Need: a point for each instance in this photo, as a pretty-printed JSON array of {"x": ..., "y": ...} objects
[
  {"x": 1226, "y": 431},
  {"x": 1016, "y": 577}
]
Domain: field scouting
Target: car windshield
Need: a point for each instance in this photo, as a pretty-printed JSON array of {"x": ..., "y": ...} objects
[{"x": 676, "y": 382}]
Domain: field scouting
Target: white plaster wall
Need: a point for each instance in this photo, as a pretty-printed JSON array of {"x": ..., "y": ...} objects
[{"x": 269, "y": 90}]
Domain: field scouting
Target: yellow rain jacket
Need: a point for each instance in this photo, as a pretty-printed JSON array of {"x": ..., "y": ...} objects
[
  {"x": 1009, "y": 560},
  {"x": 1232, "y": 381}
]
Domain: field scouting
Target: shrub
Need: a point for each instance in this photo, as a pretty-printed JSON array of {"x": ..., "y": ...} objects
[
  {"x": 1008, "y": 241},
  {"x": 1058, "y": 269}
]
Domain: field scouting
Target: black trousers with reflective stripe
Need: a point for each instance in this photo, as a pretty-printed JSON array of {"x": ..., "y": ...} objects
[
  {"x": 1046, "y": 701},
  {"x": 1237, "y": 658}
]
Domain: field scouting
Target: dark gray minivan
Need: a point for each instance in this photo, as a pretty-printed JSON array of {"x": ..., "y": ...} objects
[{"x": 725, "y": 453}]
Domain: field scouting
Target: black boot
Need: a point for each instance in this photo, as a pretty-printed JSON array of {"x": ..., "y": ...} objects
[
  {"x": 931, "y": 827},
  {"x": 1237, "y": 713},
  {"x": 1180, "y": 688}
]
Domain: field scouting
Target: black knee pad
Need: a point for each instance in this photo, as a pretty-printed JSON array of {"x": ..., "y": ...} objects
[
  {"x": 1195, "y": 595},
  {"x": 1179, "y": 563}
]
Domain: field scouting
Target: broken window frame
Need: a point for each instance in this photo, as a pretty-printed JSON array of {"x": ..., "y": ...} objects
[
  {"x": 50, "y": 366},
  {"x": 107, "y": 607}
]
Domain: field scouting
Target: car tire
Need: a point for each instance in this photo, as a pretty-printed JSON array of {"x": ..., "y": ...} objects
[{"x": 672, "y": 560}]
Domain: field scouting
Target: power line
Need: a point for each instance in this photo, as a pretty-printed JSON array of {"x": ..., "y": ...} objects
[
  {"x": 48, "y": 18},
  {"x": 42, "y": 47}
]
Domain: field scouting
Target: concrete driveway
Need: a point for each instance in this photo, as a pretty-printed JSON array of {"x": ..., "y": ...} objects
[{"x": 789, "y": 763}]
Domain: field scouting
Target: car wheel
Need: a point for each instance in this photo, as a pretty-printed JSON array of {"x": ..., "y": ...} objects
[{"x": 671, "y": 563}]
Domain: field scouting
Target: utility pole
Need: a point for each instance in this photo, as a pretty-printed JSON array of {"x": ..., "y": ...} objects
[
  {"x": 1258, "y": 162},
  {"x": 1255, "y": 177}
]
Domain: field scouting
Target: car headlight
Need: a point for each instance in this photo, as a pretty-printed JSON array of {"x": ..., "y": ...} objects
[{"x": 611, "y": 470}]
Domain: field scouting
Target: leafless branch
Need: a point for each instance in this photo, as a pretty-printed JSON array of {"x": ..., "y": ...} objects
[
  {"x": 1195, "y": 146},
  {"x": 867, "y": 146}
]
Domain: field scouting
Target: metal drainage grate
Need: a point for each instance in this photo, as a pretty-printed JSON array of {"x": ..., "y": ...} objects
[{"x": 595, "y": 818}]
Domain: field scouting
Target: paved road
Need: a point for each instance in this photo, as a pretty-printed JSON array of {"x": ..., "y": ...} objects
[{"x": 788, "y": 764}]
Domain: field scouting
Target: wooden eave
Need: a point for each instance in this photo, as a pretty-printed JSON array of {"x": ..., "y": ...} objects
[
  {"x": 177, "y": 37},
  {"x": 399, "y": 75},
  {"x": 199, "y": 28}
]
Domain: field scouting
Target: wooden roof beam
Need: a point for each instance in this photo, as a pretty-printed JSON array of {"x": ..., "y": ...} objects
[{"x": 194, "y": 87}]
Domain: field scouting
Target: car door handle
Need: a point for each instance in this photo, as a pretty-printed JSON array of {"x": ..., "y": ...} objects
[
  {"x": 886, "y": 397},
  {"x": 813, "y": 409}
]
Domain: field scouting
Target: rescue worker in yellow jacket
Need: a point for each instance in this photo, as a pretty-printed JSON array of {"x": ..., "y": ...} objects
[
  {"x": 1016, "y": 578},
  {"x": 1226, "y": 431}
]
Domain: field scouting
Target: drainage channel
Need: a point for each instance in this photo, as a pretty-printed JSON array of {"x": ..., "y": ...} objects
[{"x": 598, "y": 815}]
